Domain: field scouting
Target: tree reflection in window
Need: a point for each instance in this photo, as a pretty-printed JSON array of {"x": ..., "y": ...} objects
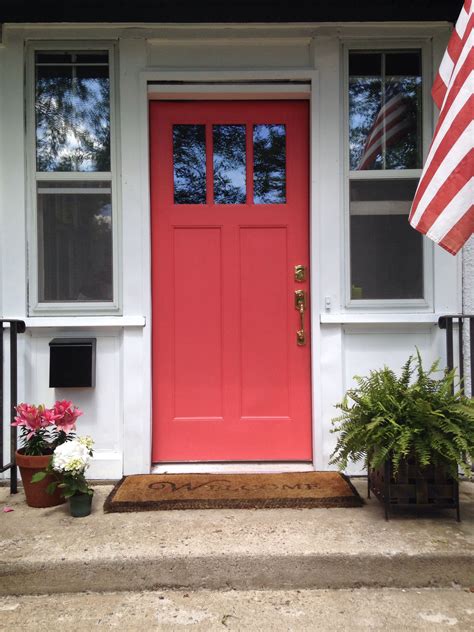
[
  {"x": 229, "y": 164},
  {"x": 72, "y": 108},
  {"x": 189, "y": 160},
  {"x": 385, "y": 110},
  {"x": 269, "y": 151}
]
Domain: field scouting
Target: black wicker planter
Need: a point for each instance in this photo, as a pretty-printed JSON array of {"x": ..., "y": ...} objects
[{"x": 430, "y": 486}]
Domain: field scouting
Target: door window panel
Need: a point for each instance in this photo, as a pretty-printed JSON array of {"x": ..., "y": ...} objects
[
  {"x": 189, "y": 164},
  {"x": 229, "y": 164},
  {"x": 269, "y": 164}
]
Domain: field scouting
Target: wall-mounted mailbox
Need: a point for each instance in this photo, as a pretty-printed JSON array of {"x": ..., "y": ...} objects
[{"x": 72, "y": 362}]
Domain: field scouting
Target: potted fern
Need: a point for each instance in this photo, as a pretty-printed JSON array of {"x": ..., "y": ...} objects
[{"x": 414, "y": 433}]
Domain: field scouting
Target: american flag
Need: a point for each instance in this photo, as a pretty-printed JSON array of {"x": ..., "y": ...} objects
[
  {"x": 443, "y": 205},
  {"x": 391, "y": 124}
]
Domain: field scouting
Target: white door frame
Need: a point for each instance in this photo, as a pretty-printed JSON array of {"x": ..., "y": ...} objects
[{"x": 194, "y": 86}]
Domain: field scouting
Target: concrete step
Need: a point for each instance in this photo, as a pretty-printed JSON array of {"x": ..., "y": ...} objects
[
  {"x": 47, "y": 551},
  {"x": 327, "y": 610}
]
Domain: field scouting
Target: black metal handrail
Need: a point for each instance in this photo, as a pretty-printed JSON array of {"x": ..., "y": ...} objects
[
  {"x": 16, "y": 327},
  {"x": 447, "y": 322}
]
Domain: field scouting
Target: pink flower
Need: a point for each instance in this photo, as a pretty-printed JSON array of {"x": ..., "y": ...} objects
[
  {"x": 32, "y": 417},
  {"x": 49, "y": 416},
  {"x": 66, "y": 415}
]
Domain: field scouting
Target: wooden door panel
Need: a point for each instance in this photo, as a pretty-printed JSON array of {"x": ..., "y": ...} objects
[
  {"x": 264, "y": 333},
  {"x": 197, "y": 322},
  {"x": 229, "y": 381}
]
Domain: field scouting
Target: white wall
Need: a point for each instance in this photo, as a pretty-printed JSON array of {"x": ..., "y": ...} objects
[
  {"x": 223, "y": 52},
  {"x": 345, "y": 342},
  {"x": 102, "y": 405}
]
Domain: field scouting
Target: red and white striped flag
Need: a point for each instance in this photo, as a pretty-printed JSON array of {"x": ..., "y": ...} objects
[{"x": 443, "y": 207}]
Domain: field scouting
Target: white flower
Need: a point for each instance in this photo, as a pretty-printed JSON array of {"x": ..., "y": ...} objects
[
  {"x": 73, "y": 456},
  {"x": 86, "y": 441}
]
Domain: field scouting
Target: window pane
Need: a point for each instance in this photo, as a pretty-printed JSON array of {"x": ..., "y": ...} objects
[
  {"x": 72, "y": 107},
  {"x": 75, "y": 241},
  {"x": 385, "y": 110},
  {"x": 189, "y": 160},
  {"x": 229, "y": 164},
  {"x": 365, "y": 64},
  {"x": 269, "y": 164},
  {"x": 386, "y": 253},
  {"x": 403, "y": 64},
  {"x": 403, "y": 104}
]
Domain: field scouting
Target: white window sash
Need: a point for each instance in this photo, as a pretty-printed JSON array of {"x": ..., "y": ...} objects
[{"x": 86, "y": 308}]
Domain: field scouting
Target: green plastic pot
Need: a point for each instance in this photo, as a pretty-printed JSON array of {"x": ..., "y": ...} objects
[{"x": 80, "y": 505}]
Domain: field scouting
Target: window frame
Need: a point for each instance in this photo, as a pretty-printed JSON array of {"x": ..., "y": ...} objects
[
  {"x": 83, "y": 308},
  {"x": 426, "y": 303}
]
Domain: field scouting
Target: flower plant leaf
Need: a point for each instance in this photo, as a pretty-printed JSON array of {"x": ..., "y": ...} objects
[{"x": 39, "y": 476}]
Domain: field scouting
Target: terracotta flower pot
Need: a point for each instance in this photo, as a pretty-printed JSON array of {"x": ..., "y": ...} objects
[{"x": 36, "y": 494}]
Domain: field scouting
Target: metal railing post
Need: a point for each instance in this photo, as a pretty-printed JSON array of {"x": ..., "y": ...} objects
[
  {"x": 13, "y": 403},
  {"x": 447, "y": 322},
  {"x": 471, "y": 346},
  {"x": 1, "y": 396},
  {"x": 16, "y": 327}
]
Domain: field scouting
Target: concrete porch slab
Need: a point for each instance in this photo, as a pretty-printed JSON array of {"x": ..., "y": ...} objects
[{"x": 47, "y": 551}]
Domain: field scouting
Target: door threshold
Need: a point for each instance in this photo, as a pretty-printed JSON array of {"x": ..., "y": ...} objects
[{"x": 231, "y": 468}]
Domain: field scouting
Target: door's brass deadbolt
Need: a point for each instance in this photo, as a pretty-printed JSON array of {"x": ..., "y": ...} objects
[{"x": 300, "y": 273}]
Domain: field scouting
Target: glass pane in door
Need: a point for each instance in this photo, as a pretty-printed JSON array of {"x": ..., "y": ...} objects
[
  {"x": 229, "y": 164},
  {"x": 269, "y": 164},
  {"x": 189, "y": 162}
]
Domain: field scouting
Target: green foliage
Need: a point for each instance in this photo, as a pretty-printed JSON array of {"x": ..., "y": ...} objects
[
  {"x": 386, "y": 416},
  {"x": 74, "y": 484},
  {"x": 70, "y": 483},
  {"x": 39, "y": 476},
  {"x": 37, "y": 444}
]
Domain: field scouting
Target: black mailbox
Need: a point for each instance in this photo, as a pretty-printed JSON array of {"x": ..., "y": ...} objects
[{"x": 72, "y": 362}]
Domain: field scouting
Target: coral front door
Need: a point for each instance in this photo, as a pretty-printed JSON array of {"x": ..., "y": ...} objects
[{"x": 231, "y": 352}]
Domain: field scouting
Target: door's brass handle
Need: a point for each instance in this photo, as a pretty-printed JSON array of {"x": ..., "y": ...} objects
[{"x": 300, "y": 305}]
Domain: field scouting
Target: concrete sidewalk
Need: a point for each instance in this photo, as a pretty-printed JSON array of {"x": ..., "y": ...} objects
[
  {"x": 388, "y": 609},
  {"x": 47, "y": 551}
]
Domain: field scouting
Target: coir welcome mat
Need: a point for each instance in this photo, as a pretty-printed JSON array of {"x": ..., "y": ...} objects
[{"x": 148, "y": 492}]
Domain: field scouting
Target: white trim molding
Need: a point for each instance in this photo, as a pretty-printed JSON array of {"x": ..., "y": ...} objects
[
  {"x": 234, "y": 92},
  {"x": 383, "y": 318},
  {"x": 231, "y": 468},
  {"x": 222, "y": 79},
  {"x": 80, "y": 322}
]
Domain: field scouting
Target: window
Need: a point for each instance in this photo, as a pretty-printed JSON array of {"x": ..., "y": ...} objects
[
  {"x": 229, "y": 164},
  {"x": 385, "y": 160},
  {"x": 73, "y": 179}
]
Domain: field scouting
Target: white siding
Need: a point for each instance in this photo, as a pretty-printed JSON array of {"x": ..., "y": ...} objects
[
  {"x": 229, "y": 54},
  {"x": 102, "y": 405}
]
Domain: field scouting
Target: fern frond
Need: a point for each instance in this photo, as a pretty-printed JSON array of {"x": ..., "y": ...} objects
[{"x": 384, "y": 416}]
